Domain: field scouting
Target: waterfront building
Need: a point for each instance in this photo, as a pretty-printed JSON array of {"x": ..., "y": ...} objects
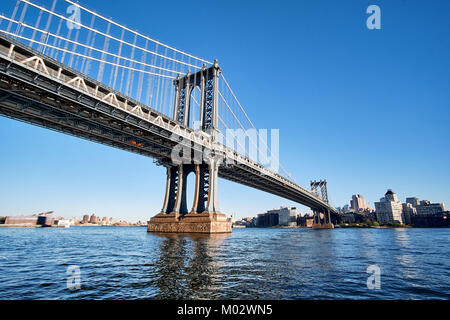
[
  {"x": 74, "y": 221},
  {"x": 85, "y": 219},
  {"x": 434, "y": 220},
  {"x": 246, "y": 222},
  {"x": 239, "y": 224},
  {"x": 358, "y": 203},
  {"x": 413, "y": 201},
  {"x": 248, "y": 219},
  {"x": 21, "y": 220},
  {"x": 424, "y": 213},
  {"x": 268, "y": 219},
  {"x": 389, "y": 209},
  {"x": 41, "y": 219},
  {"x": 62, "y": 222},
  {"x": 93, "y": 219},
  {"x": 426, "y": 207},
  {"x": 408, "y": 211},
  {"x": 287, "y": 216},
  {"x": 284, "y": 216}
]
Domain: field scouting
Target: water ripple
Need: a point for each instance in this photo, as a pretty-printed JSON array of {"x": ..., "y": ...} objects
[{"x": 129, "y": 263}]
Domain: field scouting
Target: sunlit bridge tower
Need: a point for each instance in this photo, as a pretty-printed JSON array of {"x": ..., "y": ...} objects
[
  {"x": 322, "y": 217},
  {"x": 204, "y": 215}
]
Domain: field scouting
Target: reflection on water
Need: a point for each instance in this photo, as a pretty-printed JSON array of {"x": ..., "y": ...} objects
[
  {"x": 129, "y": 263},
  {"x": 406, "y": 261},
  {"x": 187, "y": 264}
]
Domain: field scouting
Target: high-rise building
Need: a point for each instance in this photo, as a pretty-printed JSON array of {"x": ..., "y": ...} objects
[
  {"x": 93, "y": 219},
  {"x": 287, "y": 216},
  {"x": 424, "y": 213},
  {"x": 427, "y": 208},
  {"x": 389, "y": 209},
  {"x": 358, "y": 203},
  {"x": 85, "y": 218},
  {"x": 413, "y": 201},
  {"x": 268, "y": 219},
  {"x": 408, "y": 211}
]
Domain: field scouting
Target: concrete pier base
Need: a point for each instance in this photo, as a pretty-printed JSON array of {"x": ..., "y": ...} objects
[
  {"x": 209, "y": 223},
  {"x": 323, "y": 226}
]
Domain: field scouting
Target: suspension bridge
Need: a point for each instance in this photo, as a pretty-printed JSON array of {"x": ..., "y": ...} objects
[{"x": 67, "y": 68}]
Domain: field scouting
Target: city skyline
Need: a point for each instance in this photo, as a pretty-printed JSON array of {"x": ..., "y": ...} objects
[
  {"x": 365, "y": 154},
  {"x": 240, "y": 154}
]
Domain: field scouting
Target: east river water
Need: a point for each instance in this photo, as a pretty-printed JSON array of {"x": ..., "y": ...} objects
[{"x": 129, "y": 263}]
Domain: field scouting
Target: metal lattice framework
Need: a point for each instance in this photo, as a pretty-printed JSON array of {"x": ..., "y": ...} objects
[{"x": 320, "y": 189}]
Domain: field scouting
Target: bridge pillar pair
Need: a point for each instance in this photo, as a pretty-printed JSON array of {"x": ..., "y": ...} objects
[
  {"x": 322, "y": 217},
  {"x": 204, "y": 215},
  {"x": 322, "y": 220},
  {"x": 205, "y": 195}
]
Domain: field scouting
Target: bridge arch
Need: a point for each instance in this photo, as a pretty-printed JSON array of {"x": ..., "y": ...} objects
[
  {"x": 206, "y": 81},
  {"x": 194, "y": 108}
]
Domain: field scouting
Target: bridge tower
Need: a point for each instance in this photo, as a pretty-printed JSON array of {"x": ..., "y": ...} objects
[
  {"x": 204, "y": 216},
  {"x": 322, "y": 217}
]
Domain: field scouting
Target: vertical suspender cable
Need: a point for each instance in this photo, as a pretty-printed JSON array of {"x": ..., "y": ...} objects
[
  {"x": 47, "y": 26},
  {"x": 38, "y": 21},
  {"x": 74, "y": 49},
  {"x": 13, "y": 16},
  {"x": 22, "y": 16},
  {"x": 53, "y": 53},
  {"x": 66, "y": 44},
  {"x": 150, "y": 86},
  {"x": 130, "y": 79},
  {"x": 105, "y": 48},
  {"x": 88, "y": 40},
  {"x": 141, "y": 75}
]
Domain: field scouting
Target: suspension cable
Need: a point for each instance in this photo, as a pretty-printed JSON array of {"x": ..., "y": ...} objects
[
  {"x": 278, "y": 160},
  {"x": 250, "y": 139},
  {"x": 107, "y": 35},
  {"x": 87, "y": 57},
  {"x": 88, "y": 47},
  {"x": 136, "y": 33}
]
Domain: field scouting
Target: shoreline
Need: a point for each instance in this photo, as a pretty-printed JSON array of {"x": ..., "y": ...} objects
[{"x": 62, "y": 226}]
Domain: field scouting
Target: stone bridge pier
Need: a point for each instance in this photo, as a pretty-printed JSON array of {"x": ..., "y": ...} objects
[
  {"x": 322, "y": 219},
  {"x": 204, "y": 216}
]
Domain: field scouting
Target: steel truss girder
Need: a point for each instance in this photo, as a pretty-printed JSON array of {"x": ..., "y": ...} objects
[{"x": 75, "y": 123}]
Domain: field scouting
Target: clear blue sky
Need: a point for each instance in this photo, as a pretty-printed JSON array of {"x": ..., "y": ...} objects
[{"x": 366, "y": 109}]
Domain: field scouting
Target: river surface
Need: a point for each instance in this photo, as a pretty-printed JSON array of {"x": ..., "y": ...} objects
[{"x": 129, "y": 263}]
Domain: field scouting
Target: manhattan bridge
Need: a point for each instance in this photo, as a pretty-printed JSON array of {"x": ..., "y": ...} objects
[{"x": 67, "y": 68}]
